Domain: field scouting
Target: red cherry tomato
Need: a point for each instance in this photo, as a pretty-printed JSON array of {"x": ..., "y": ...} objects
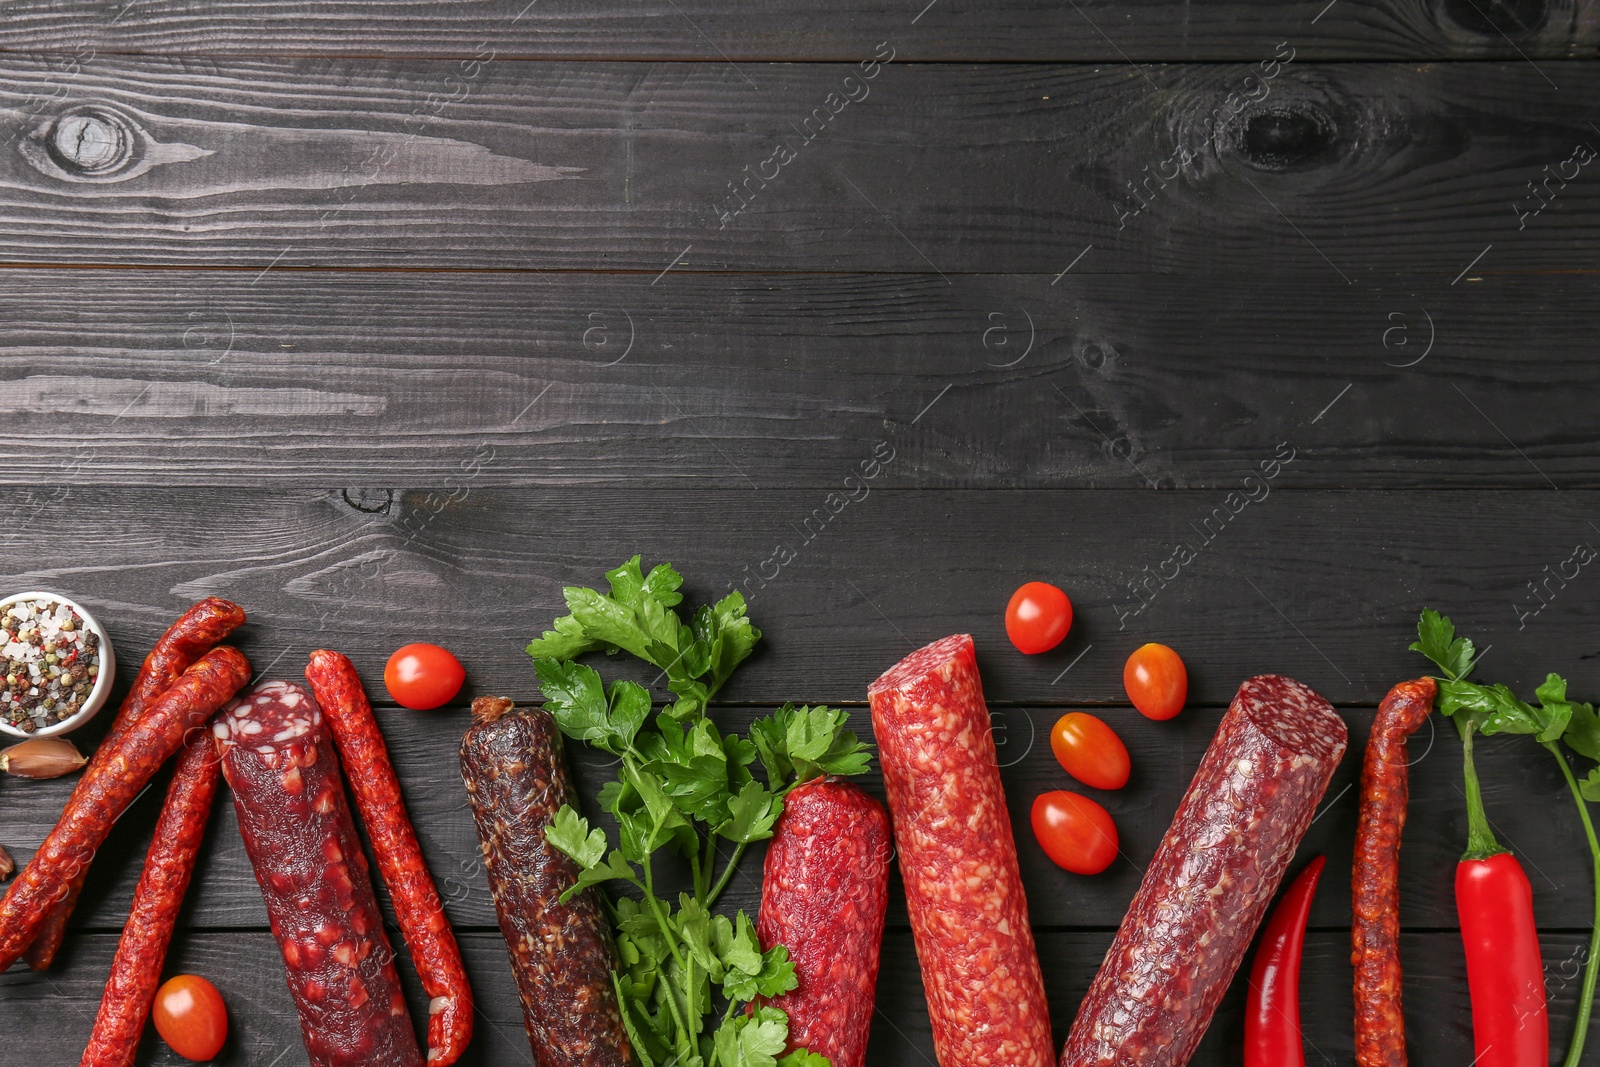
[
  {"x": 1038, "y": 617},
  {"x": 423, "y": 676},
  {"x": 1156, "y": 681},
  {"x": 1090, "y": 751},
  {"x": 1074, "y": 831},
  {"x": 190, "y": 1016}
]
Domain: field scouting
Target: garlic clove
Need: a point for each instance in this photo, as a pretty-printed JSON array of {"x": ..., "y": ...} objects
[{"x": 42, "y": 757}]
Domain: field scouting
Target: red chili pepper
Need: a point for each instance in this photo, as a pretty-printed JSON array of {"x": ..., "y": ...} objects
[
  {"x": 1272, "y": 1018},
  {"x": 1505, "y": 971}
]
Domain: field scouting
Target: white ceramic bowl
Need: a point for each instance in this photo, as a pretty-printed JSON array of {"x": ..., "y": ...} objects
[{"x": 102, "y": 683}]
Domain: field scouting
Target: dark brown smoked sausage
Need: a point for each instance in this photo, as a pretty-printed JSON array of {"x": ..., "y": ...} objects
[
  {"x": 562, "y": 955},
  {"x": 1211, "y": 879},
  {"x": 142, "y": 950},
  {"x": 427, "y": 931},
  {"x": 195, "y": 633},
  {"x": 1375, "y": 883},
  {"x": 824, "y": 891},
  {"x": 108, "y": 786},
  {"x": 301, "y": 839}
]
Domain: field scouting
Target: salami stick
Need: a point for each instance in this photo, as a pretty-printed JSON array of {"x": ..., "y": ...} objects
[
  {"x": 108, "y": 786},
  {"x": 824, "y": 891},
  {"x": 964, "y": 894},
  {"x": 337, "y": 687},
  {"x": 1375, "y": 885},
  {"x": 302, "y": 843},
  {"x": 142, "y": 951},
  {"x": 1212, "y": 877},
  {"x": 562, "y": 955},
  {"x": 195, "y": 633}
]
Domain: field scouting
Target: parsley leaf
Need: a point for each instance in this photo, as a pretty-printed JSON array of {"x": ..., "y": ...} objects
[
  {"x": 808, "y": 742},
  {"x": 571, "y": 834},
  {"x": 1436, "y": 639}
]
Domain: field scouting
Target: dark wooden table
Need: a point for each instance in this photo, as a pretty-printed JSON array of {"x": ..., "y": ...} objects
[{"x": 388, "y": 320}]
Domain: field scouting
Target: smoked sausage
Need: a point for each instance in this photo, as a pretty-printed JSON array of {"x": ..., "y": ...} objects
[
  {"x": 302, "y": 842},
  {"x": 108, "y": 786},
  {"x": 969, "y": 917},
  {"x": 824, "y": 891},
  {"x": 1211, "y": 879},
  {"x": 1375, "y": 882},
  {"x": 427, "y": 931},
  {"x": 562, "y": 955}
]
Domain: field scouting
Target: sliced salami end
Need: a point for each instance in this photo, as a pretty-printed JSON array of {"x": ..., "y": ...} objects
[
  {"x": 1293, "y": 715},
  {"x": 937, "y": 658}
]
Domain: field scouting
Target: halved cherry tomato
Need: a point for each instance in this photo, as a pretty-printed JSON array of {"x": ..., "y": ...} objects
[
  {"x": 1156, "y": 681},
  {"x": 421, "y": 677},
  {"x": 1038, "y": 617},
  {"x": 190, "y": 1016},
  {"x": 1074, "y": 831},
  {"x": 1090, "y": 751}
]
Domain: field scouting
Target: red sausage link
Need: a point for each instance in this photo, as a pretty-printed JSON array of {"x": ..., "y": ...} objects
[
  {"x": 969, "y": 917},
  {"x": 824, "y": 891},
  {"x": 562, "y": 955},
  {"x": 338, "y": 690},
  {"x": 108, "y": 786},
  {"x": 1211, "y": 879},
  {"x": 1375, "y": 885},
  {"x": 142, "y": 951},
  {"x": 196, "y": 632},
  {"x": 302, "y": 842}
]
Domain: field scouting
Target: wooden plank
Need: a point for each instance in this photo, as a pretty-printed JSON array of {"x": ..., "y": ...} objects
[
  {"x": 1355, "y": 170},
  {"x": 1098, "y": 380},
  {"x": 1523, "y": 790},
  {"x": 1321, "y": 585},
  {"x": 55, "y": 1011},
  {"x": 716, "y": 30}
]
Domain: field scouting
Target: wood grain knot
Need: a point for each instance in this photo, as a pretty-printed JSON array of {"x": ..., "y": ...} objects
[
  {"x": 92, "y": 141},
  {"x": 1513, "y": 18},
  {"x": 370, "y": 501},
  {"x": 1287, "y": 138}
]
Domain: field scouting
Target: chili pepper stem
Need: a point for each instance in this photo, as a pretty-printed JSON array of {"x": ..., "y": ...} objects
[
  {"x": 1481, "y": 843},
  {"x": 1591, "y": 971}
]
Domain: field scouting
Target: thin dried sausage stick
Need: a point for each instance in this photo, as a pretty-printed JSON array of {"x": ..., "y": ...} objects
[
  {"x": 1375, "y": 884},
  {"x": 195, "y": 633},
  {"x": 302, "y": 842},
  {"x": 142, "y": 950},
  {"x": 969, "y": 916},
  {"x": 108, "y": 786},
  {"x": 337, "y": 687},
  {"x": 824, "y": 891},
  {"x": 1211, "y": 880},
  {"x": 562, "y": 955}
]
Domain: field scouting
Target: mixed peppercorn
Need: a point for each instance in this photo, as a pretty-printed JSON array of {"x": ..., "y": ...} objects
[{"x": 52, "y": 659}]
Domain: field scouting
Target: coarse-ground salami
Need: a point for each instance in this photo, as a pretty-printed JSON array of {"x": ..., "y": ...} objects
[
  {"x": 337, "y": 687},
  {"x": 969, "y": 917},
  {"x": 824, "y": 891},
  {"x": 195, "y": 633},
  {"x": 142, "y": 950},
  {"x": 562, "y": 955},
  {"x": 1211, "y": 879},
  {"x": 1375, "y": 882},
  {"x": 108, "y": 786},
  {"x": 297, "y": 830}
]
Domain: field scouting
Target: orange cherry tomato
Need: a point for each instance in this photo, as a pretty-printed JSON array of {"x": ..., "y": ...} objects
[
  {"x": 190, "y": 1016},
  {"x": 1074, "y": 831},
  {"x": 1156, "y": 681},
  {"x": 1090, "y": 751},
  {"x": 1038, "y": 617},
  {"x": 421, "y": 677}
]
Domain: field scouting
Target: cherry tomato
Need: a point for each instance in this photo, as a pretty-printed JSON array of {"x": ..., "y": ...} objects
[
  {"x": 423, "y": 676},
  {"x": 1038, "y": 617},
  {"x": 1090, "y": 751},
  {"x": 190, "y": 1016},
  {"x": 1156, "y": 681},
  {"x": 1074, "y": 831}
]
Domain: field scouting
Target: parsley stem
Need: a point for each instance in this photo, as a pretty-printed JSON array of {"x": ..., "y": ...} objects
[
  {"x": 1591, "y": 970},
  {"x": 727, "y": 873},
  {"x": 671, "y": 938},
  {"x": 703, "y": 888}
]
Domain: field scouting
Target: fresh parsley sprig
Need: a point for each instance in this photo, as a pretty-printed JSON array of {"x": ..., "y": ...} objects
[
  {"x": 1555, "y": 721},
  {"x": 681, "y": 786}
]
